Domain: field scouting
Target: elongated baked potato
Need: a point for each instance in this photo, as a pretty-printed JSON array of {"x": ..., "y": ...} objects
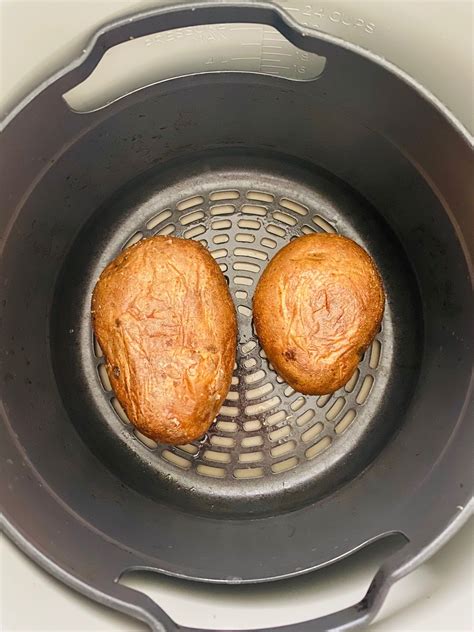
[
  {"x": 166, "y": 323},
  {"x": 316, "y": 308}
]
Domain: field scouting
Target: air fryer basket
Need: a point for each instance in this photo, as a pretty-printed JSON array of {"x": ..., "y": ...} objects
[{"x": 282, "y": 483}]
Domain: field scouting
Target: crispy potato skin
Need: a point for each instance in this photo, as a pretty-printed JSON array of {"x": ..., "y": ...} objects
[
  {"x": 316, "y": 308},
  {"x": 165, "y": 320}
]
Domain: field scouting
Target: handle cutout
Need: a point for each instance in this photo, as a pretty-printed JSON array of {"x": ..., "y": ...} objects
[
  {"x": 144, "y": 61},
  {"x": 267, "y": 605}
]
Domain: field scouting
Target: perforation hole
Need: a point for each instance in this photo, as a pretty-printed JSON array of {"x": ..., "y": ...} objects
[
  {"x": 243, "y": 280},
  {"x": 120, "y": 411},
  {"x": 158, "y": 219},
  {"x": 375, "y": 354},
  {"x": 346, "y": 421},
  {"x": 252, "y": 209},
  {"x": 312, "y": 432},
  {"x": 284, "y": 218},
  {"x": 196, "y": 200},
  {"x": 235, "y": 380},
  {"x": 289, "y": 391},
  {"x": 189, "y": 448},
  {"x": 175, "y": 459},
  {"x": 257, "y": 409},
  {"x": 250, "y": 457},
  {"x": 97, "y": 350},
  {"x": 249, "y": 224},
  {"x": 307, "y": 230},
  {"x": 222, "y": 442},
  {"x": 169, "y": 229},
  {"x": 276, "y": 230},
  {"x": 241, "y": 294},
  {"x": 149, "y": 443},
  {"x": 260, "y": 391},
  {"x": 305, "y": 417},
  {"x": 275, "y": 418},
  {"x": 218, "y": 254},
  {"x": 229, "y": 411},
  {"x": 349, "y": 387},
  {"x": 268, "y": 243},
  {"x": 364, "y": 389},
  {"x": 279, "y": 433},
  {"x": 291, "y": 205},
  {"x": 226, "y": 426},
  {"x": 217, "y": 457},
  {"x": 323, "y": 400},
  {"x": 254, "y": 377},
  {"x": 134, "y": 239},
  {"x": 191, "y": 217},
  {"x": 250, "y": 363},
  {"x": 244, "y": 310},
  {"x": 298, "y": 403},
  {"x": 248, "y": 472},
  {"x": 232, "y": 396},
  {"x": 335, "y": 409},
  {"x": 211, "y": 471},
  {"x": 260, "y": 196},
  {"x": 323, "y": 224},
  {"x": 319, "y": 447},
  {"x": 252, "y": 425},
  {"x": 282, "y": 449},
  {"x": 223, "y": 267},
  {"x": 221, "y": 224},
  {"x": 250, "y": 252},
  {"x": 216, "y": 196},
  {"x": 248, "y": 346},
  {"x": 220, "y": 239},
  {"x": 248, "y": 267},
  {"x": 222, "y": 209},
  {"x": 194, "y": 232},
  {"x": 245, "y": 238},
  {"x": 104, "y": 378},
  {"x": 252, "y": 442},
  {"x": 284, "y": 466}
]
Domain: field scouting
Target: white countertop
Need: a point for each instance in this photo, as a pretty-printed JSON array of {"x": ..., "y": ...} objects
[{"x": 433, "y": 42}]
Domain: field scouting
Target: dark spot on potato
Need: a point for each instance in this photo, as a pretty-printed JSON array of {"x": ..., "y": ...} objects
[
  {"x": 116, "y": 371},
  {"x": 289, "y": 354},
  {"x": 117, "y": 322}
]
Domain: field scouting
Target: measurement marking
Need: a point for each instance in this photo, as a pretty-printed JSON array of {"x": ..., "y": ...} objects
[
  {"x": 279, "y": 54},
  {"x": 275, "y": 67}
]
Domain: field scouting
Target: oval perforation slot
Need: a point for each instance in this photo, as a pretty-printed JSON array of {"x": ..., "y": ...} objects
[
  {"x": 284, "y": 466},
  {"x": 217, "y": 196},
  {"x": 149, "y": 443},
  {"x": 232, "y": 396},
  {"x": 222, "y": 209},
  {"x": 305, "y": 417},
  {"x": 235, "y": 380},
  {"x": 229, "y": 411},
  {"x": 221, "y": 224},
  {"x": 312, "y": 432},
  {"x": 323, "y": 224},
  {"x": 210, "y": 470},
  {"x": 282, "y": 449},
  {"x": 250, "y": 363},
  {"x": 217, "y": 457},
  {"x": 291, "y": 205},
  {"x": 250, "y": 457},
  {"x": 253, "y": 209},
  {"x": 254, "y": 377},
  {"x": 248, "y": 472},
  {"x": 223, "y": 268},
  {"x": 284, "y": 218},
  {"x": 375, "y": 354},
  {"x": 194, "y": 216},
  {"x": 249, "y": 224},
  {"x": 346, "y": 421},
  {"x": 289, "y": 391},
  {"x": 252, "y": 425},
  {"x": 323, "y": 400},
  {"x": 134, "y": 239},
  {"x": 252, "y": 442},
  {"x": 218, "y": 254},
  {"x": 276, "y": 230},
  {"x": 97, "y": 350},
  {"x": 268, "y": 243},
  {"x": 307, "y": 230},
  {"x": 220, "y": 239},
  {"x": 257, "y": 409},
  {"x": 167, "y": 230},
  {"x": 194, "y": 232},
  {"x": 335, "y": 409},
  {"x": 175, "y": 459},
  {"x": 190, "y": 202},
  {"x": 247, "y": 267},
  {"x": 244, "y": 310},
  {"x": 222, "y": 442},
  {"x": 189, "y": 448},
  {"x": 349, "y": 387},
  {"x": 275, "y": 418},
  {"x": 226, "y": 426},
  {"x": 158, "y": 219},
  {"x": 279, "y": 433},
  {"x": 260, "y": 196},
  {"x": 298, "y": 403},
  {"x": 251, "y": 252},
  {"x": 245, "y": 238},
  {"x": 260, "y": 391},
  {"x": 243, "y": 280},
  {"x": 104, "y": 378},
  {"x": 120, "y": 411},
  {"x": 241, "y": 294},
  {"x": 319, "y": 447},
  {"x": 364, "y": 389},
  {"x": 248, "y": 346}
]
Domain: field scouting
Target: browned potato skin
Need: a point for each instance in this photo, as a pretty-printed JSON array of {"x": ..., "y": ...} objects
[
  {"x": 165, "y": 320},
  {"x": 316, "y": 308}
]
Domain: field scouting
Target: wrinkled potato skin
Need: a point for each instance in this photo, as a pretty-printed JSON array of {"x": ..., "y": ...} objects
[
  {"x": 316, "y": 308},
  {"x": 166, "y": 323}
]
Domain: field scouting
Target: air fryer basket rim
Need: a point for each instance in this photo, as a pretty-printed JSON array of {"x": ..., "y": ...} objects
[{"x": 102, "y": 585}]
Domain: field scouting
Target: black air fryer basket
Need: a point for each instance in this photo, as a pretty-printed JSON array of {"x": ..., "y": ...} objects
[{"x": 283, "y": 483}]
